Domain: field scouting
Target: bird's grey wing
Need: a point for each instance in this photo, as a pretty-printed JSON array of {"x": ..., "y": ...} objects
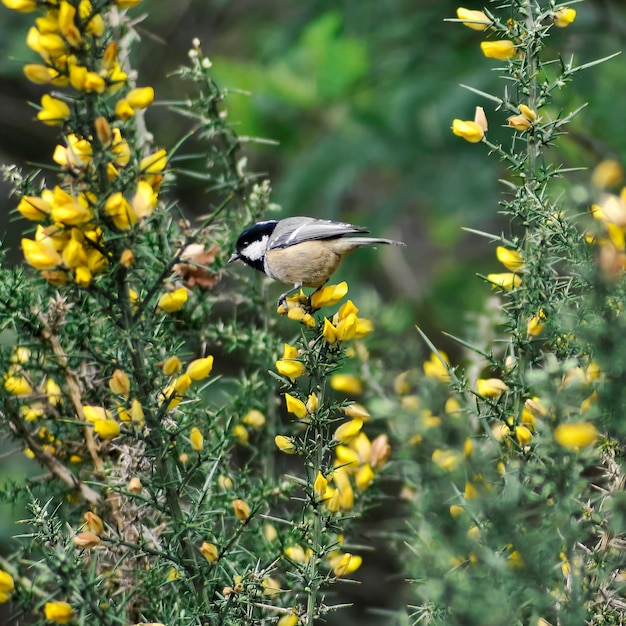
[{"x": 293, "y": 230}]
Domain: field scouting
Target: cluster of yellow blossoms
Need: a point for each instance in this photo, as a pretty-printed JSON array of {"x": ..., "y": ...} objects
[
  {"x": 501, "y": 50},
  {"x": 93, "y": 197},
  {"x": 357, "y": 459}
]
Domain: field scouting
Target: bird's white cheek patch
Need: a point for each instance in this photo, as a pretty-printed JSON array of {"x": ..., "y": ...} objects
[{"x": 256, "y": 250}]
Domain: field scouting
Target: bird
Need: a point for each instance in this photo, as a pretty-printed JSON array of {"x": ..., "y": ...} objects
[{"x": 302, "y": 251}]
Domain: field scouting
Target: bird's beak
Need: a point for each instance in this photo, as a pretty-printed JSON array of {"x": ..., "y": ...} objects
[{"x": 234, "y": 257}]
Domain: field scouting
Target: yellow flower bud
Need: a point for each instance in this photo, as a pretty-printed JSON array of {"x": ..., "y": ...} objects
[
  {"x": 346, "y": 383},
  {"x": 127, "y": 258},
  {"x": 94, "y": 523},
  {"x": 119, "y": 383},
  {"x": 290, "y": 368},
  {"x": 468, "y": 130},
  {"x": 134, "y": 485},
  {"x": 564, "y": 17},
  {"x": 197, "y": 439},
  {"x": 295, "y": 406},
  {"x": 123, "y": 110},
  {"x": 22, "y": 6},
  {"x": 476, "y": 20},
  {"x": 435, "y": 368},
  {"x": 344, "y": 564},
  {"x": 523, "y": 434},
  {"x": 18, "y": 386},
  {"x": 312, "y": 403},
  {"x": 289, "y": 619},
  {"x": 364, "y": 477},
  {"x": 456, "y": 510},
  {"x": 83, "y": 276},
  {"x": 34, "y": 208},
  {"x": 505, "y": 280},
  {"x": 346, "y": 328},
  {"x": 41, "y": 254},
  {"x": 119, "y": 210},
  {"x": 136, "y": 412},
  {"x": 59, "y": 612},
  {"x": 380, "y": 451},
  {"x": 320, "y": 485},
  {"x": 502, "y": 49},
  {"x": 329, "y": 331},
  {"x": 53, "y": 111},
  {"x": 491, "y": 387},
  {"x": 106, "y": 429},
  {"x": 7, "y": 586},
  {"x": 154, "y": 163},
  {"x": 140, "y": 98},
  {"x": 285, "y": 444},
  {"x": 254, "y": 418},
  {"x": 94, "y": 413},
  {"x": 242, "y": 510},
  {"x": 329, "y": 295},
  {"x": 607, "y": 174},
  {"x": 210, "y": 552},
  {"x": 172, "y": 366},
  {"x": 200, "y": 368},
  {"x": 576, "y": 436},
  {"x": 173, "y": 301},
  {"x": 470, "y": 492},
  {"x": 527, "y": 112},
  {"x": 519, "y": 122},
  {"x": 511, "y": 259},
  {"x": 145, "y": 199},
  {"x": 536, "y": 324},
  {"x": 446, "y": 459},
  {"x": 349, "y": 430}
]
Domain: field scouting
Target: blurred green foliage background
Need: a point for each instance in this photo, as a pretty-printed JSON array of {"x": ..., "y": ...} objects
[{"x": 360, "y": 97}]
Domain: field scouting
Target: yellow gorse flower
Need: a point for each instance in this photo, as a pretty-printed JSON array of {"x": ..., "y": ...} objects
[
  {"x": 344, "y": 564},
  {"x": 468, "y": 130},
  {"x": 23, "y": 6},
  {"x": 564, "y": 17},
  {"x": 59, "y": 612},
  {"x": 285, "y": 444},
  {"x": 106, "y": 428},
  {"x": 295, "y": 406},
  {"x": 349, "y": 430},
  {"x": 210, "y": 552},
  {"x": 502, "y": 49},
  {"x": 476, "y": 20},
  {"x": 196, "y": 438},
  {"x": 347, "y": 383},
  {"x": 329, "y": 295},
  {"x": 511, "y": 259},
  {"x": 576, "y": 436},
  {"x": 53, "y": 111},
  {"x": 491, "y": 387},
  {"x": 173, "y": 301},
  {"x": 7, "y": 586},
  {"x": 505, "y": 280},
  {"x": 436, "y": 366},
  {"x": 200, "y": 368},
  {"x": 242, "y": 510}
]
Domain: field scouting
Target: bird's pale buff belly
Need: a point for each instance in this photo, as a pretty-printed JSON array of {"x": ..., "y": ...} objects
[{"x": 307, "y": 263}]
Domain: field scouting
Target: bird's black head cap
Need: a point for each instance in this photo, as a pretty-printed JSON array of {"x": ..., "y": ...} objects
[{"x": 252, "y": 243}]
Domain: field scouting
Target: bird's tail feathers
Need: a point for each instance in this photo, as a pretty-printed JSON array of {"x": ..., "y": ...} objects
[{"x": 371, "y": 241}]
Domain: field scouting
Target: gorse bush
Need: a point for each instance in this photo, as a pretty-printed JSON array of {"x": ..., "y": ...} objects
[
  {"x": 519, "y": 483},
  {"x": 176, "y": 491}
]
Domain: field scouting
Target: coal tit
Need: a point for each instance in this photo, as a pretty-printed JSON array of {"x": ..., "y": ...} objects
[{"x": 302, "y": 251}]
